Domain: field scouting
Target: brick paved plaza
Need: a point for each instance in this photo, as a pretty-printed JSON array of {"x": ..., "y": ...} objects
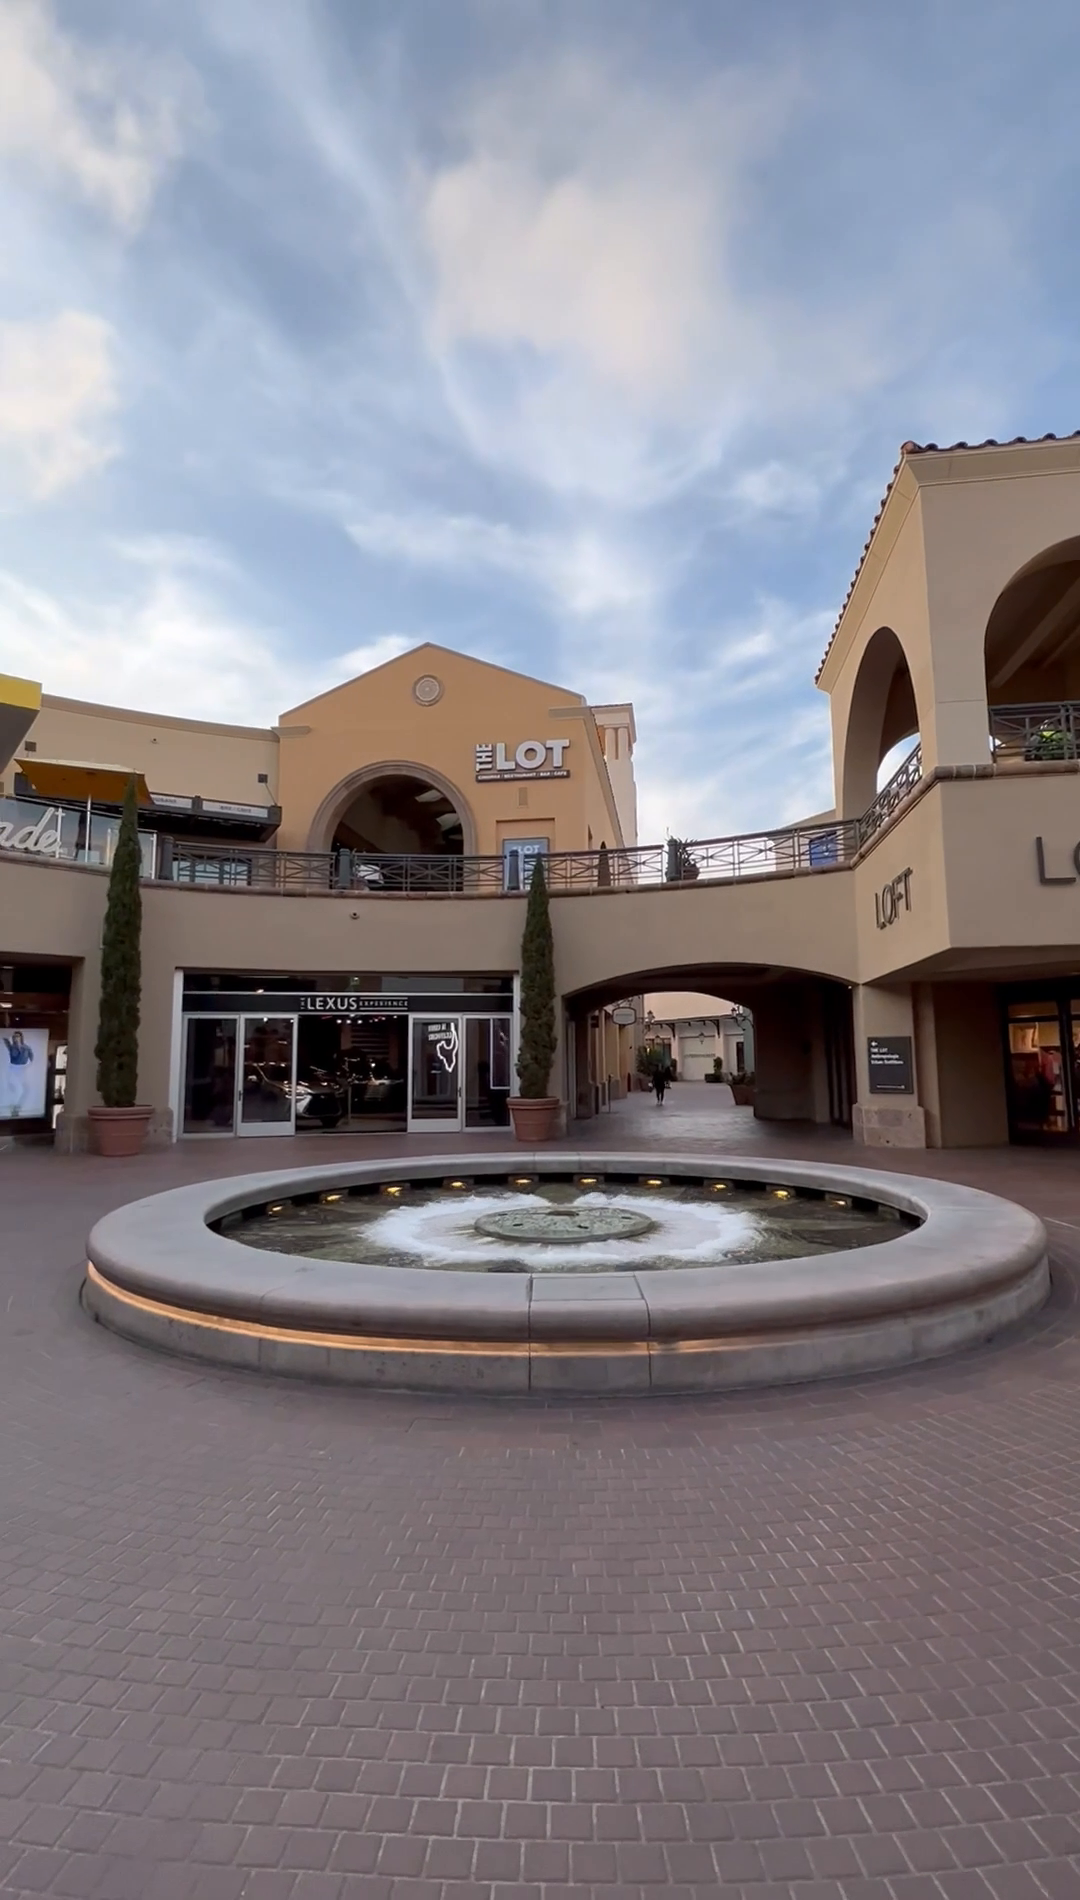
[{"x": 289, "y": 1643}]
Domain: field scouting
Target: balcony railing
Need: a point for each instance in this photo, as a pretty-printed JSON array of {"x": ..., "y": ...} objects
[
  {"x": 710, "y": 860},
  {"x": 1043, "y": 732},
  {"x": 257, "y": 868},
  {"x": 891, "y": 796}
]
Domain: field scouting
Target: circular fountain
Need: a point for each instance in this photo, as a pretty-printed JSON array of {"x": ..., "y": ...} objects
[{"x": 550, "y": 1277}]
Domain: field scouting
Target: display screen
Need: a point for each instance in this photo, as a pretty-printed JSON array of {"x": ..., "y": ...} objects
[{"x": 24, "y": 1073}]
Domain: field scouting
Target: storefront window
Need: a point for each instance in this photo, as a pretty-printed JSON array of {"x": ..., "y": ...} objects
[{"x": 1039, "y": 1089}]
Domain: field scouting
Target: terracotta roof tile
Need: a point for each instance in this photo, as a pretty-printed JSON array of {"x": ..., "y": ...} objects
[{"x": 926, "y": 448}]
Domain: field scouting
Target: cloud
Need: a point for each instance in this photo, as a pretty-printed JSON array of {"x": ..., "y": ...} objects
[
  {"x": 168, "y": 646},
  {"x": 582, "y": 573},
  {"x": 96, "y": 121},
  {"x": 58, "y": 392}
]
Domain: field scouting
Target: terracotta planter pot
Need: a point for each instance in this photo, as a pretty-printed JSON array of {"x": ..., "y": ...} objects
[
  {"x": 118, "y": 1132},
  {"x": 534, "y": 1120},
  {"x": 742, "y": 1094}
]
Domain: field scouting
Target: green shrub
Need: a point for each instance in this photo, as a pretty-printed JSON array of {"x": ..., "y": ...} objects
[
  {"x": 537, "y": 1051},
  {"x": 117, "y": 1048}
]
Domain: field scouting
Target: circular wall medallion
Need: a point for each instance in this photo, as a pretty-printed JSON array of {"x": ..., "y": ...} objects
[
  {"x": 563, "y": 1224},
  {"x": 427, "y": 689}
]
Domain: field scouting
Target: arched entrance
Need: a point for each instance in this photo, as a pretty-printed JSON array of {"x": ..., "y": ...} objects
[
  {"x": 390, "y": 820},
  {"x": 802, "y": 1037},
  {"x": 1033, "y": 659},
  {"x": 882, "y": 723}
]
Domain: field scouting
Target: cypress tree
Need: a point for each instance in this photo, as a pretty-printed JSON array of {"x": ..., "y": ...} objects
[
  {"x": 537, "y": 1051},
  {"x": 117, "y": 1049}
]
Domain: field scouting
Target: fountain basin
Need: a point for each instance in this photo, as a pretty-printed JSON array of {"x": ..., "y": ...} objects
[{"x": 162, "y": 1272}]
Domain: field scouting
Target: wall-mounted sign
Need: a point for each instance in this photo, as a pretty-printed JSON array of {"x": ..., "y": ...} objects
[
  {"x": 533, "y": 758},
  {"x": 40, "y": 837},
  {"x": 890, "y": 1065},
  {"x": 894, "y": 897},
  {"x": 1045, "y": 877},
  {"x": 624, "y": 1016},
  {"x": 321, "y": 1003}
]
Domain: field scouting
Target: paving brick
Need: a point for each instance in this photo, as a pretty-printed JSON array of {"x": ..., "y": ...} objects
[{"x": 299, "y": 1645}]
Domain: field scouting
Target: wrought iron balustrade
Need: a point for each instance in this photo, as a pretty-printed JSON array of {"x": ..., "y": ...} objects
[
  {"x": 891, "y": 796},
  {"x": 1046, "y": 731}
]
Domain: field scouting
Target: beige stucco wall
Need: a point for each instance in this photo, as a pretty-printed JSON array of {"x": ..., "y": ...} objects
[
  {"x": 979, "y": 914},
  {"x": 376, "y": 720},
  {"x": 182, "y": 756}
]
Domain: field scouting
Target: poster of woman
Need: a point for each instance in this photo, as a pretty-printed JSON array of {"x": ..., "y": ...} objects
[{"x": 24, "y": 1073}]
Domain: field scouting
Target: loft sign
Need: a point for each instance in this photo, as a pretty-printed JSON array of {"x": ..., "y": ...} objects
[
  {"x": 894, "y": 897},
  {"x": 533, "y": 758},
  {"x": 1045, "y": 876}
]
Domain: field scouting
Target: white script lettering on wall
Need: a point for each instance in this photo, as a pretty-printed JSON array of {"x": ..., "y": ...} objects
[
  {"x": 41, "y": 838},
  {"x": 533, "y": 758}
]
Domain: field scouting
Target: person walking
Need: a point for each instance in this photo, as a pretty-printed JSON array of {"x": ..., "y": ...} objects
[{"x": 660, "y": 1079}]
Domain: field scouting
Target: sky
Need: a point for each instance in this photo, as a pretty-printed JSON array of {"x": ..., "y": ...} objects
[{"x": 578, "y": 335}]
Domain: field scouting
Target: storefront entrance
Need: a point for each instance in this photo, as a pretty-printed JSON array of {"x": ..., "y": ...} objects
[
  {"x": 459, "y": 1069},
  {"x": 329, "y": 1061},
  {"x": 1042, "y": 1044}
]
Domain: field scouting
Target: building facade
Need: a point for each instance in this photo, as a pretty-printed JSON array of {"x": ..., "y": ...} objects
[{"x": 333, "y": 907}]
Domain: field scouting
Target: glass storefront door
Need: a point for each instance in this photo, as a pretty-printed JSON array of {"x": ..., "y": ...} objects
[
  {"x": 267, "y": 1095},
  {"x": 435, "y": 1073},
  {"x": 209, "y": 1106},
  {"x": 487, "y": 1071}
]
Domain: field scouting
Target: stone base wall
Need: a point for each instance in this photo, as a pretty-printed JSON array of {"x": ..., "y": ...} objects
[{"x": 889, "y": 1125}]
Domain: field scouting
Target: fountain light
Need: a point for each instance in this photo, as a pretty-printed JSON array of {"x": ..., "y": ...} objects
[
  {"x": 719, "y": 1187},
  {"x": 328, "y": 1200},
  {"x": 588, "y": 1180},
  {"x": 276, "y": 1207},
  {"x": 652, "y": 1180},
  {"x": 780, "y": 1193},
  {"x": 393, "y": 1189},
  {"x": 523, "y": 1180},
  {"x": 838, "y": 1200},
  {"x": 455, "y": 1184}
]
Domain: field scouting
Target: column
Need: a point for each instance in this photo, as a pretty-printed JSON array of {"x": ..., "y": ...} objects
[{"x": 887, "y": 1111}]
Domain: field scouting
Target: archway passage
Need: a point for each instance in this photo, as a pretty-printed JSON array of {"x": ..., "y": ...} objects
[
  {"x": 803, "y": 1044},
  {"x": 882, "y": 717},
  {"x": 1033, "y": 658},
  {"x": 401, "y": 814}
]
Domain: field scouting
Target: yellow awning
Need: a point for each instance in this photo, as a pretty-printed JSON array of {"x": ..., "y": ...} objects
[
  {"x": 20, "y": 703},
  {"x": 71, "y": 778}
]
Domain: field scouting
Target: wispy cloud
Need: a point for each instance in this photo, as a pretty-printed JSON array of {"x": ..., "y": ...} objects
[
  {"x": 58, "y": 396},
  {"x": 92, "y": 118},
  {"x": 168, "y": 646}
]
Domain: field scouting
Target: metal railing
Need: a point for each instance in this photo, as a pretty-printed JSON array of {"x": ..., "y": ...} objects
[
  {"x": 260, "y": 868},
  {"x": 891, "y": 796},
  {"x": 710, "y": 860},
  {"x": 1045, "y": 732}
]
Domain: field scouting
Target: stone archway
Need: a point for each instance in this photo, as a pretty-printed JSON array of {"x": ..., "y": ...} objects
[{"x": 396, "y": 806}]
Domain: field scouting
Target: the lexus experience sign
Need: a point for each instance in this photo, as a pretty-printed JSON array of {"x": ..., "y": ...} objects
[{"x": 533, "y": 758}]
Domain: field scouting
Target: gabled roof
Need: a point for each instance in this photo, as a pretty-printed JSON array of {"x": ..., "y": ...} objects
[
  {"x": 411, "y": 655},
  {"x": 907, "y": 451}
]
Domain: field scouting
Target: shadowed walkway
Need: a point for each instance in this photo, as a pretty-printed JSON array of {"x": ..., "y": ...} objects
[{"x": 287, "y": 1643}]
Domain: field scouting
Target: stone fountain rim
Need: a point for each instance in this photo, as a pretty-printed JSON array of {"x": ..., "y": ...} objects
[{"x": 969, "y": 1247}]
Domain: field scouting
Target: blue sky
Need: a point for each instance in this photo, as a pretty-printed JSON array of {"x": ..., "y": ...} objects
[{"x": 578, "y": 334}]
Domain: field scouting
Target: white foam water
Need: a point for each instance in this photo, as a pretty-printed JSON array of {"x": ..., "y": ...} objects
[{"x": 443, "y": 1234}]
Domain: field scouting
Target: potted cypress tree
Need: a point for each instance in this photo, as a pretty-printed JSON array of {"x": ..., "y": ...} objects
[
  {"x": 118, "y": 1125},
  {"x": 535, "y": 1111}
]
